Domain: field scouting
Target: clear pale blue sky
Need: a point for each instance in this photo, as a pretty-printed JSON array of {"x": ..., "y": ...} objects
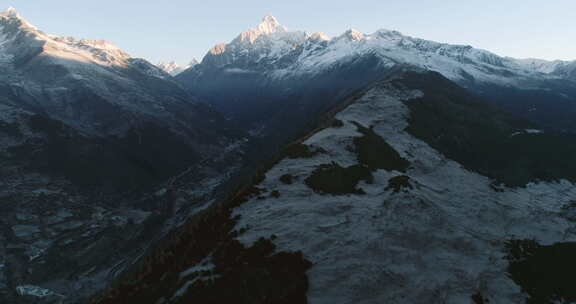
[{"x": 182, "y": 29}]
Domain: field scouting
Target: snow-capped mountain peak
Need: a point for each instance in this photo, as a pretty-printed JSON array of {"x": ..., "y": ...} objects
[
  {"x": 193, "y": 62},
  {"x": 272, "y": 49},
  {"x": 20, "y": 40},
  {"x": 173, "y": 68},
  {"x": 218, "y": 49},
  {"x": 168, "y": 67},
  {"x": 52, "y": 68},
  {"x": 10, "y": 12},
  {"x": 268, "y": 26},
  {"x": 353, "y": 35},
  {"x": 11, "y": 16},
  {"x": 319, "y": 36}
]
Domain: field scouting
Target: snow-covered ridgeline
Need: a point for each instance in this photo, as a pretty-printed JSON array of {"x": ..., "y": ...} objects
[
  {"x": 53, "y": 69},
  {"x": 442, "y": 239},
  {"x": 174, "y": 69},
  {"x": 12, "y": 26},
  {"x": 270, "y": 45}
]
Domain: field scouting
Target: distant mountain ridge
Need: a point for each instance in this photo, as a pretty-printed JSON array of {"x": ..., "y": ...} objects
[
  {"x": 271, "y": 47},
  {"x": 174, "y": 69},
  {"x": 271, "y": 65}
]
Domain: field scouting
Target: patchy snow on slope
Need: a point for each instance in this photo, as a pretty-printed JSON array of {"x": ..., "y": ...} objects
[
  {"x": 527, "y": 131},
  {"x": 197, "y": 273},
  {"x": 444, "y": 239},
  {"x": 5, "y": 57},
  {"x": 35, "y": 291}
]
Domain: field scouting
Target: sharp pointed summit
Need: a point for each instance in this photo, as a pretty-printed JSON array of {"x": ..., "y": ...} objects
[
  {"x": 173, "y": 68},
  {"x": 12, "y": 16},
  {"x": 269, "y": 18},
  {"x": 270, "y": 25},
  {"x": 11, "y": 11}
]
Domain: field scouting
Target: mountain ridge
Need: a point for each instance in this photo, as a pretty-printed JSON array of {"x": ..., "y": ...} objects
[
  {"x": 174, "y": 69},
  {"x": 378, "y": 212},
  {"x": 293, "y": 65},
  {"x": 295, "y": 47},
  {"x": 91, "y": 139}
]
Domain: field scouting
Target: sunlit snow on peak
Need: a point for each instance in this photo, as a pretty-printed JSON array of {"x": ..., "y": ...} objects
[
  {"x": 11, "y": 12},
  {"x": 320, "y": 36},
  {"x": 173, "y": 68},
  {"x": 218, "y": 49},
  {"x": 270, "y": 25},
  {"x": 78, "y": 50},
  {"x": 353, "y": 34}
]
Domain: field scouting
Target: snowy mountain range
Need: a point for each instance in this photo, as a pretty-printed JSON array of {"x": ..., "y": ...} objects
[
  {"x": 362, "y": 168},
  {"x": 279, "y": 62},
  {"x": 173, "y": 68},
  {"x": 272, "y": 48}
]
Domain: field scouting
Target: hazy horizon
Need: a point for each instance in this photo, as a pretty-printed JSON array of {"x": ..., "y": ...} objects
[{"x": 178, "y": 31}]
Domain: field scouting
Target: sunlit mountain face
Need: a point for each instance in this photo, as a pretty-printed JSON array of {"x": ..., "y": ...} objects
[{"x": 285, "y": 167}]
